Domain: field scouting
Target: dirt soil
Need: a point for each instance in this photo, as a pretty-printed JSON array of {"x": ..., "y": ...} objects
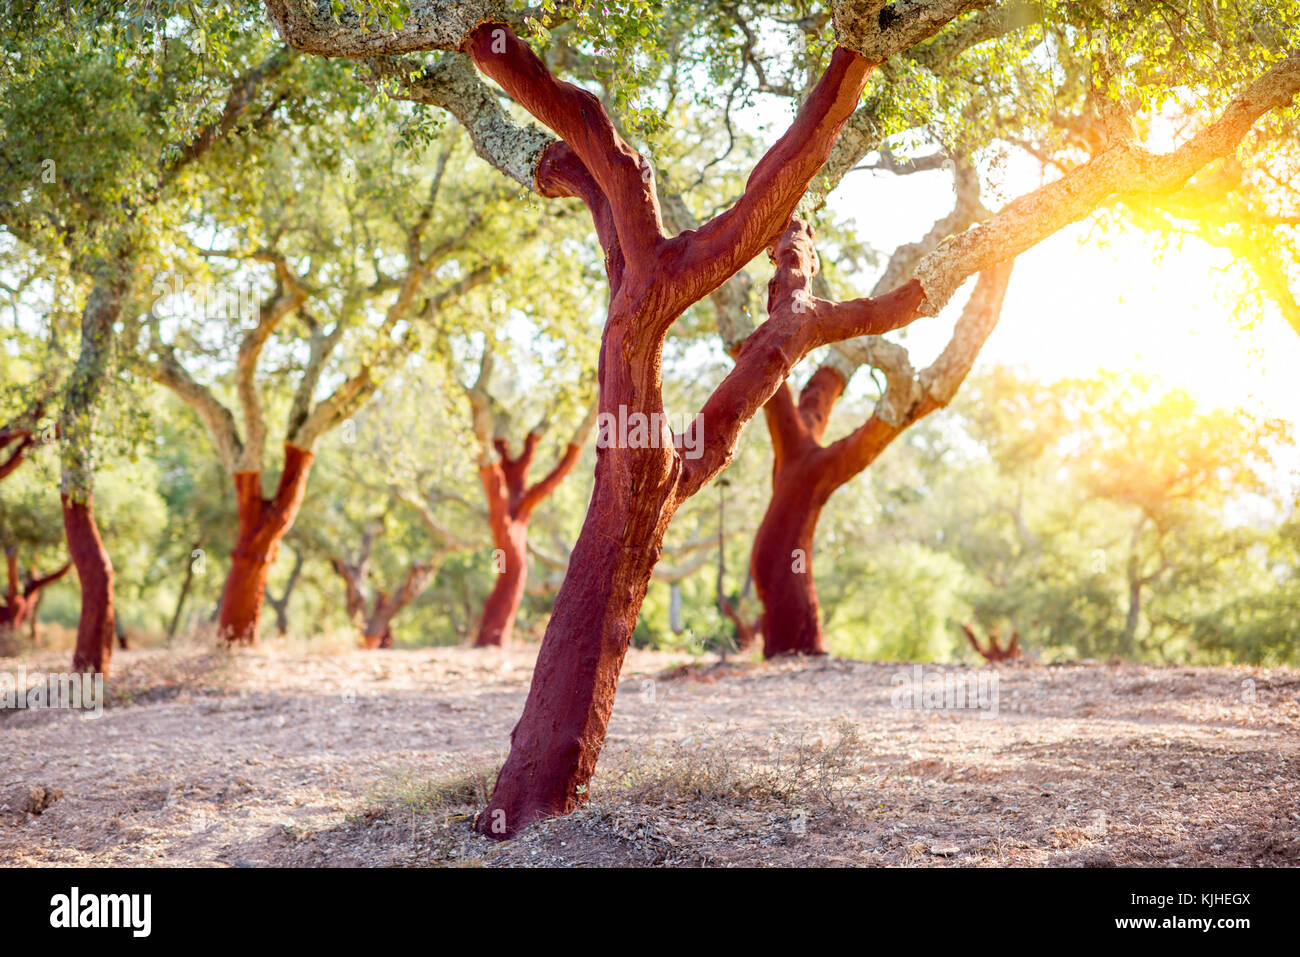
[{"x": 281, "y": 756}]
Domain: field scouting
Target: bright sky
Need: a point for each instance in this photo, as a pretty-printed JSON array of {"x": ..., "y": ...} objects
[{"x": 1083, "y": 301}]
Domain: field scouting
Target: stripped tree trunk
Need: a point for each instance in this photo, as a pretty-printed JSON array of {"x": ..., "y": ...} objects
[
  {"x": 511, "y": 503},
  {"x": 378, "y": 630},
  {"x": 263, "y": 523},
  {"x": 991, "y": 651},
  {"x": 639, "y": 485},
  {"x": 503, "y": 485},
  {"x": 805, "y": 473},
  {"x": 95, "y": 626},
  {"x": 803, "y": 477},
  {"x": 81, "y": 401},
  {"x": 21, "y": 599}
]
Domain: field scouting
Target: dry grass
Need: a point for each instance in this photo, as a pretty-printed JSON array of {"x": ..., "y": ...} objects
[
  {"x": 408, "y": 791},
  {"x": 798, "y": 767},
  {"x": 282, "y": 757}
]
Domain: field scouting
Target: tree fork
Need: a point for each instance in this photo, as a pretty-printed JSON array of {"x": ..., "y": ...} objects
[
  {"x": 263, "y": 524},
  {"x": 991, "y": 651}
]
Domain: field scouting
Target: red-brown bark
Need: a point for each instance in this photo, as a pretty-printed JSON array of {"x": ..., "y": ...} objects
[
  {"x": 263, "y": 524},
  {"x": 373, "y": 620},
  {"x": 511, "y": 503},
  {"x": 374, "y": 634},
  {"x": 802, "y": 480},
  {"x": 653, "y": 278},
  {"x": 20, "y": 436},
  {"x": 95, "y": 633},
  {"x": 378, "y": 629},
  {"x": 991, "y": 651},
  {"x": 804, "y": 476},
  {"x": 24, "y": 440},
  {"x": 805, "y": 473},
  {"x": 555, "y": 745},
  {"x": 21, "y": 598}
]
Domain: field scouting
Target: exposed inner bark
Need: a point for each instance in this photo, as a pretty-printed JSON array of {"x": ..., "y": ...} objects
[
  {"x": 17, "y": 441},
  {"x": 805, "y": 473},
  {"x": 262, "y": 525},
  {"x": 378, "y": 629},
  {"x": 803, "y": 479},
  {"x": 555, "y": 745},
  {"x": 375, "y": 625},
  {"x": 21, "y": 597},
  {"x": 654, "y": 278},
  {"x": 95, "y": 631},
  {"x": 991, "y": 651},
  {"x": 511, "y": 503},
  {"x": 81, "y": 401}
]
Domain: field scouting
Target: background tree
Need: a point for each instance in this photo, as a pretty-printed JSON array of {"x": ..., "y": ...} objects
[
  {"x": 95, "y": 197},
  {"x": 373, "y": 279},
  {"x": 511, "y": 500},
  {"x": 1170, "y": 468}
]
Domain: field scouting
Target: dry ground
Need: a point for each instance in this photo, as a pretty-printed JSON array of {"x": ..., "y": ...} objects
[{"x": 287, "y": 756}]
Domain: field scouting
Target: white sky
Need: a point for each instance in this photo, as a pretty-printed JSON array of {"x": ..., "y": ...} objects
[{"x": 1086, "y": 300}]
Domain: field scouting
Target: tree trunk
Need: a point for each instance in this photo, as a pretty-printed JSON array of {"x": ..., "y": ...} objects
[
  {"x": 281, "y": 604},
  {"x": 95, "y": 632},
  {"x": 81, "y": 401},
  {"x": 282, "y": 618},
  {"x": 34, "y": 617},
  {"x": 263, "y": 523},
  {"x": 675, "y": 622},
  {"x": 781, "y": 564},
  {"x": 804, "y": 474},
  {"x": 497, "y": 624},
  {"x": 747, "y": 633},
  {"x": 378, "y": 630},
  {"x": 511, "y": 503},
  {"x": 22, "y": 600},
  {"x": 555, "y": 745},
  {"x": 1128, "y": 640},
  {"x": 653, "y": 280},
  {"x": 14, "y": 609},
  {"x": 185, "y": 591}
]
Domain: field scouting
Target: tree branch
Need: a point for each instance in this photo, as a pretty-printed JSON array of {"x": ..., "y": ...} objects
[{"x": 1123, "y": 169}]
